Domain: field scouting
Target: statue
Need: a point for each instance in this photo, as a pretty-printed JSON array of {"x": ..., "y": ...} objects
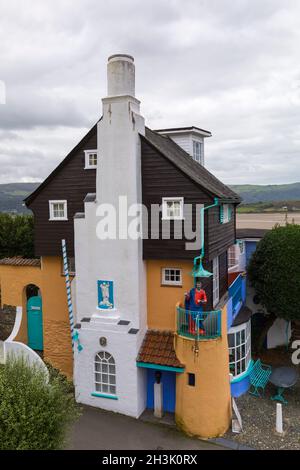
[
  {"x": 105, "y": 295},
  {"x": 194, "y": 301}
]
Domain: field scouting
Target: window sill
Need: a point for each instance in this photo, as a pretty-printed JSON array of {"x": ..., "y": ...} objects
[
  {"x": 173, "y": 218},
  {"x": 90, "y": 167},
  {"x": 58, "y": 220},
  {"x": 104, "y": 395},
  {"x": 170, "y": 285}
]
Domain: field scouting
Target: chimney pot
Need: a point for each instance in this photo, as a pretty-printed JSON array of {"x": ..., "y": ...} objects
[{"x": 120, "y": 75}]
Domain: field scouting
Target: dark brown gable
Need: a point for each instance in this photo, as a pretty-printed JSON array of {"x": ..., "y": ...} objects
[
  {"x": 161, "y": 178},
  {"x": 69, "y": 181}
]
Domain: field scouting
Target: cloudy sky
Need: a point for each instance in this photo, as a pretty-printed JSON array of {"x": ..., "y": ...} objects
[{"x": 230, "y": 66}]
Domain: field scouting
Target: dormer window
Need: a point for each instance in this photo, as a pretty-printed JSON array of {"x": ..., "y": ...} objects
[
  {"x": 197, "y": 151},
  {"x": 91, "y": 157},
  {"x": 172, "y": 208}
]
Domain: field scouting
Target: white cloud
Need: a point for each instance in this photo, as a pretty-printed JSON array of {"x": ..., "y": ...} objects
[{"x": 230, "y": 67}]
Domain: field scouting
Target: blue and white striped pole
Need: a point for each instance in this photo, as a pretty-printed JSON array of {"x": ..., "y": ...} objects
[{"x": 74, "y": 335}]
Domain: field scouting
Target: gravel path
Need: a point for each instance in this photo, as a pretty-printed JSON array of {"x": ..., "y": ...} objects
[{"x": 259, "y": 418}]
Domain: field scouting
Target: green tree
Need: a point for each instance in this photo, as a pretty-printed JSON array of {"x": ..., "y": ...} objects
[
  {"x": 274, "y": 272},
  {"x": 33, "y": 414},
  {"x": 16, "y": 236}
]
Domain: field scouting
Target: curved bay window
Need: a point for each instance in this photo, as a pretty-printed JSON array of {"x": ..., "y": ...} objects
[
  {"x": 239, "y": 341},
  {"x": 105, "y": 373}
]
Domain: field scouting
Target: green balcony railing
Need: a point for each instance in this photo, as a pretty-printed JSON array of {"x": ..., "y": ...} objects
[{"x": 198, "y": 325}]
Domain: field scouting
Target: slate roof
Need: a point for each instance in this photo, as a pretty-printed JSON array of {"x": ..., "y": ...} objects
[
  {"x": 158, "y": 348},
  {"x": 182, "y": 160},
  {"x": 18, "y": 261}
]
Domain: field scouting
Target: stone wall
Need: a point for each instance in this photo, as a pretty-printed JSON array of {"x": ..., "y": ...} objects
[{"x": 7, "y": 321}]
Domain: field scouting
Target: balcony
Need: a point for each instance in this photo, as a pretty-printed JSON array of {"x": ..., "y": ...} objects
[{"x": 198, "y": 325}]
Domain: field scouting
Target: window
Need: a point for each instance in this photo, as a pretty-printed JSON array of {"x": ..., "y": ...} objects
[
  {"x": 172, "y": 208},
  {"x": 71, "y": 266},
  {"x": 171, "y": 277},
  {"x": 105, "y": 373},
  {"x": 191, "y": 380},
  {"x": 91, "y": 157},
  {"x": 215, "y": 281},
  {"x": 232, "y": 256},
  {"x": 58, "y": 210},
  {"x": 225, "y": 213},
  {"x": 197, "y": 151},
  {"x": 239, "y": 340}
]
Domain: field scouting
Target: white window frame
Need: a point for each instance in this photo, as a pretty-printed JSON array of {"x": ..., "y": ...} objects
[
  {"x": 197, "y": 143},
  {"x": 105, "y": 373},
  {"x": 87, "y": 154},
  {"x": 226, "y": 211},
  {"x": 51, "y": 209},
  {"x": 239, "y": 360},
  {"x": 233, "y": 256},
  {"x": 216, "y": 281},
  {"x": 165, "y": 215},
  {"x": 166, "y": 275}
]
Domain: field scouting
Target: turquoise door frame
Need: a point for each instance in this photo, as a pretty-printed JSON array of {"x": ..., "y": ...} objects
[{"x": 35, "y": 323}]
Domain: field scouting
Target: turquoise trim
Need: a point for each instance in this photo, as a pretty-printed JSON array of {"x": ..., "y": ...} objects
[
  {"x": 104, "y": 395},
  {"x": 148, "y": 365},
  {"x": 244, "y": 375}
]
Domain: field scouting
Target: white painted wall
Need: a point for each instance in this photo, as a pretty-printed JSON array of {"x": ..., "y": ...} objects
[{"x": 119, "y": 260}]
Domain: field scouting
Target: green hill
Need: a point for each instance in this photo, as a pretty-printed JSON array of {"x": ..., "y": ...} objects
[
  {"x": 252, "y": 194},
  {"x": 12, "y": 196}
]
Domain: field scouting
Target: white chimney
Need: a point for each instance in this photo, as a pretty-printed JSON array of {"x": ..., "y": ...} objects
[{"x": 120, "y": 75}]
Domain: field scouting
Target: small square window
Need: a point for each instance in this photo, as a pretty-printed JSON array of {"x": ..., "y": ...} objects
[
  {"x": 91, "y": 159},
  {"x": 225, "y": 213},
  {"x": 172, "y": 208},
  {"x": 171, "y": 277},
  {"x": 191, "y": 380},
  {"x": 58, "y": 210}
]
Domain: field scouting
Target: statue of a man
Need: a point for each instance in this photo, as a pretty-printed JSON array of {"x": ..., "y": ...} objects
[{"x": 194, "y": 301}]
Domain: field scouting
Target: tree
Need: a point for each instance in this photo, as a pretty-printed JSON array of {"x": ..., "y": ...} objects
[
  {"x": 16, "y": 236},
  {"x": 33, "y": 414},
  {"x": 274, "y": 272}
]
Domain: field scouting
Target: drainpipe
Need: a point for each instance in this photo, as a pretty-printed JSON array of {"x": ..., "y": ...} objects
[{"x": 216, "y": 203}]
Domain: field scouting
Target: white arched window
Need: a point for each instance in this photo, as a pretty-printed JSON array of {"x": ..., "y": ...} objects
[{"x": 105, "y": 373}]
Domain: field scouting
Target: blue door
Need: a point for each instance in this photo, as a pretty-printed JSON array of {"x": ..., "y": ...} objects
[
  {"x": 35, "y": 323},
  {"x": 168, "y": 379}
]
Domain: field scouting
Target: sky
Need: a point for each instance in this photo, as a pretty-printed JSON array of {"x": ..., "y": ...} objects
[{"x": 229, "y": 66}]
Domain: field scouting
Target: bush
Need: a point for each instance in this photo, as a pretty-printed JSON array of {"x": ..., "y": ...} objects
[
  {"x": 274, "y": 271},
  {"x": 16, "y": 236},
  {"x": 33, "y": 415}
]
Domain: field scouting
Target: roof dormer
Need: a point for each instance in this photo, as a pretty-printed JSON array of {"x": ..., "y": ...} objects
[{"x": 191, "y": 139}]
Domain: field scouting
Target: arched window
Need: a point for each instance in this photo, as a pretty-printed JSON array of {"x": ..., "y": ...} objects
[{"x": 105, "y": 373}]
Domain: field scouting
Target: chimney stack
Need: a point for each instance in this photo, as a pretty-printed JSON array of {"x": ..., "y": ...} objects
[{"x": 120, "y": 75}]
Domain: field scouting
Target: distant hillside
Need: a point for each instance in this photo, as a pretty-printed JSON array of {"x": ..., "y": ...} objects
[
  {"x": 12, "y": 195},
  {"x": 275, "y": 192}
]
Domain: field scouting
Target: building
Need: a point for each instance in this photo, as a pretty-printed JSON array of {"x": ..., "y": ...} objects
[{"x": 142, "y": 340}]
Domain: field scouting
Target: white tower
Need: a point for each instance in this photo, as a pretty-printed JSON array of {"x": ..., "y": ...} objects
[{"x": 110, "y": 273}]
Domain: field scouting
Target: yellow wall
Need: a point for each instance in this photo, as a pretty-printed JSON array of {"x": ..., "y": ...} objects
[
  {"x": 57, "y": 336},
  {"x": 204, "y": 410},
  {"x": 56, "y": 326},
  {"x": 163, "y": 299},
  {"x": 13, "y": 280}
]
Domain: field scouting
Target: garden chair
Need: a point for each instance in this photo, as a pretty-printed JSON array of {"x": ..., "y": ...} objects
[{"x": 259, "y": 377}]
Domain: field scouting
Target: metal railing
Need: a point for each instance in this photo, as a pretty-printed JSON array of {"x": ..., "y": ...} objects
[{"x": 198, "y": 325}]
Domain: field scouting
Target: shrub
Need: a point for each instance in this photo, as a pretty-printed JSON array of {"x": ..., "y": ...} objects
[{"x": 33, "y": 414}]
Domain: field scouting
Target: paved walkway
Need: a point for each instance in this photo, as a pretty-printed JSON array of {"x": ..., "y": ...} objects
[{"x": 102, "y": 430}]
